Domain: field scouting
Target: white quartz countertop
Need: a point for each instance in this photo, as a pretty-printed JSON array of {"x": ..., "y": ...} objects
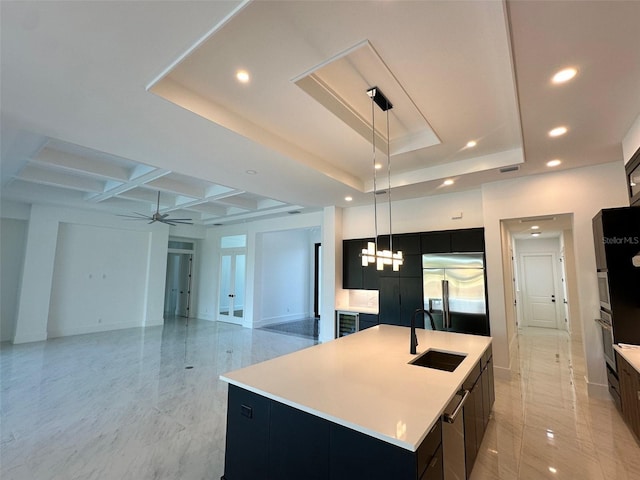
[
  {"x": 364, "y": 381},
  {"x": 631, "y": 354}
]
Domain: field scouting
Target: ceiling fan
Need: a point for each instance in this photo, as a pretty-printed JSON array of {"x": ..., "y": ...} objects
[{"x": 159, "y": 217}]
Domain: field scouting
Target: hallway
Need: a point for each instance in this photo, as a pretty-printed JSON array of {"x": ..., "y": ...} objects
[{"x": 546, "y": 427}]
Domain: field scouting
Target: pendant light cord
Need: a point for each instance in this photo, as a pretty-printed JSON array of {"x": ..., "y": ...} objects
[
  {"x": 389, "y": 179},
  {"x": 375, "y": 187}
]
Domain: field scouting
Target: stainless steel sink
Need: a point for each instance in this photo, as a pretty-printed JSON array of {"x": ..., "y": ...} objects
[{"x": 439, "y": 360}]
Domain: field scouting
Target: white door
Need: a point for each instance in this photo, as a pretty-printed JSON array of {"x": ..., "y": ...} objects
[
  {"x": 539, "y": 291},
  {"x": 231, "y": 297}
]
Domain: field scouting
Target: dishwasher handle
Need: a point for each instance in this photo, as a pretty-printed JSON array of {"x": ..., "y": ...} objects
[{"x": 451, "y": 417}]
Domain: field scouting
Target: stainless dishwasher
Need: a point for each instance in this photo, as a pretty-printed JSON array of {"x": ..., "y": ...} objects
[{"x": 453, "y": 451}]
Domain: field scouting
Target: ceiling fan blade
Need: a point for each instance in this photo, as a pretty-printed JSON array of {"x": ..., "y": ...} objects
[
  {"x": 165, "y": 215},
  {"x": 181, "y": 219},
  {"x": 166, "y": 222}
]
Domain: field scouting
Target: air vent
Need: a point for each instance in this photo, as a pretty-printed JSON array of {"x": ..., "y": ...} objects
[
  {"x": 537, "y": 219},
  {"x": 512, "y": 168},
  {"x": 381, "y": 192}
]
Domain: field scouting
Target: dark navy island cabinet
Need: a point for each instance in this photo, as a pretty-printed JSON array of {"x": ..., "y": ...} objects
[{"x": 268, "y": 440}]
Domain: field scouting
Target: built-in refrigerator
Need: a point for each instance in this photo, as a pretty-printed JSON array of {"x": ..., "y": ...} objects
[{"x": 454, "y": 291}]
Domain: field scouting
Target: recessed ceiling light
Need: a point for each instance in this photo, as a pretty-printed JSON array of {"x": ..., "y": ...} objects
[
  {"x": 535, "y": 227},
  {"x": 348, "y": 198},
  {"x": 471, "y": 144},
  {"x": 251, "y": 172},
  {"x": 447, "y": 182},
  {"x": 554, "y": 163},
  {"x": 242, "y": 76},
  {"x": 553, "y": 470},
  {"x": 536, "y": 234},
  {"x": 564, "y": 75},
  {"x": 558, "y": 131},
  {"x": 378, "y": 166}
]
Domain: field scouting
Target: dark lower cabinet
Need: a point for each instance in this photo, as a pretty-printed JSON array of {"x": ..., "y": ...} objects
[
  {"x": 630, "y": 394},
  {"x": 470, "y": 419},
  {"x": 477, "y": 409},
  {"x": 435, "y": 469},
  {"x": 358, "y": 456},
  {"x": 268, "y": 440},
  {"x": 298, "y": 446},
  {"x": 247, "y": 449},
  {"x": 367, "y": 320}
]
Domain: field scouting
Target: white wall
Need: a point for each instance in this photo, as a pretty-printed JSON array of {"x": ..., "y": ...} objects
[
  {"x": 100, "y": 278},
  {"x": 283, "y": 275},
  {"x": 631, "y": 141},
  {"x": 40, "y": 278},
  {"x": 582, "y": 192},
  {"x": 416, "y": 215},
  {"x": 12, "y": 247}
]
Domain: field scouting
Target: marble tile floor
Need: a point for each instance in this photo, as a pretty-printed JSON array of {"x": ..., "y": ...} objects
[
  {"x": 545, "y": 426},
  {"x": 305, "y": 327},
  {"x": 123, "y": 405}
]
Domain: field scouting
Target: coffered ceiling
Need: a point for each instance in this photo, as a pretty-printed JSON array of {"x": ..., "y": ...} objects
[{"x": 104, "y": 104}]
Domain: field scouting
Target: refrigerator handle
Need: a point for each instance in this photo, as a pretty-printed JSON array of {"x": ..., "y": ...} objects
[{"x": 446, "y": 320}]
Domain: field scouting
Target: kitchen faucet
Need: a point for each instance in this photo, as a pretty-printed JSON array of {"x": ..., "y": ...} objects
[{"x": 414, "y": 337}]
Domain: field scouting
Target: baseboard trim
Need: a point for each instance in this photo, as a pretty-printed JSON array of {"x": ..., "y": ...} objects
[
  {"x": 263, "y": 322},
  {"x": 29, "y": 338},
  {"x": 84, "y": 329},
  {"x": 597, "y": 390},
  {"x": 502, "y": 372}
]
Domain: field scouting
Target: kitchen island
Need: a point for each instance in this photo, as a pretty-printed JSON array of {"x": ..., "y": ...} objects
[{"x": 323, "y": 411}]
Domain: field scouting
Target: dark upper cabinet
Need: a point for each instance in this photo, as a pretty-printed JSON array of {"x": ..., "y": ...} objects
[
  {"x": 435, "y": 242},
  {"x": 471, "y": 240},
  {"x": 633, "y": 178},
  {"x": 598, "y": 238},
  {"x": 408, "y": 243},
  {"x": 453, "y": 241},
  {"x": 617, "y": 241},
  {"x": 354, "y": 275},
  {"x": 412, "y": 246}
]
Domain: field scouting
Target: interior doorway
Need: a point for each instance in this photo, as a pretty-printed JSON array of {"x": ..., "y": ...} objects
[
  {"x": 177, "y": 296},
  {"x": 539, "y": 262}
]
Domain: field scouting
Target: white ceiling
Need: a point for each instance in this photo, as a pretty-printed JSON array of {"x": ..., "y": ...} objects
[{"x": 106, "y": 103}]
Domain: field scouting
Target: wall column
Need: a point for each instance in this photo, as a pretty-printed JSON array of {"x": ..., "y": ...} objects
[{"x": 37, "y": 276}]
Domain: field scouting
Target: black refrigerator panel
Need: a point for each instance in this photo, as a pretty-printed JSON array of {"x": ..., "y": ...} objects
[{"x": 617, "y": 242}]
